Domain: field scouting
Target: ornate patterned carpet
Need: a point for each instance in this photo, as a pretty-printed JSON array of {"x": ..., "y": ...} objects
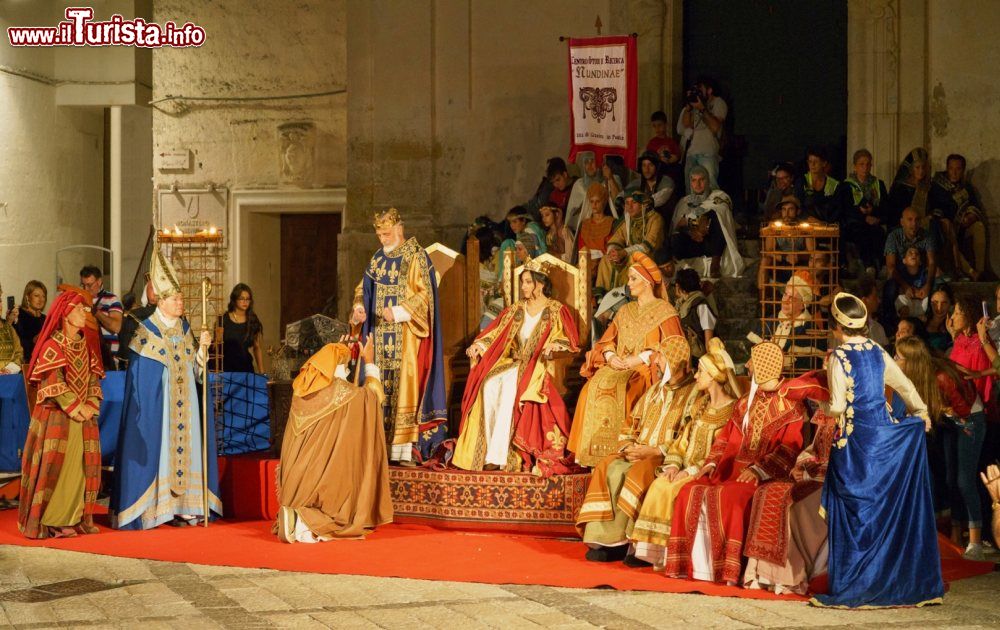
[{"x": 488, "y": 501}]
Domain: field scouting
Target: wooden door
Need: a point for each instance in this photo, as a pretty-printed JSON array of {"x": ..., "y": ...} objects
[{"x": 308, "y": 265}]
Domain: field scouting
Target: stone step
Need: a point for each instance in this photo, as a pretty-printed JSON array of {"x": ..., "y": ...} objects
[{"x": 749, "y": 247}]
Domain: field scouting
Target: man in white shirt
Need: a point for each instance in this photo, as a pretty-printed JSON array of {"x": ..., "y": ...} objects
[{"x": 700, "y": 128}]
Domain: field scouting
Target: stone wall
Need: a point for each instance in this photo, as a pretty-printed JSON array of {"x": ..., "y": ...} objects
[
  {"x": 963, "y": 97},
  {"x": 51, "y": 166},
  {"x": 455, "y": 106},
  {"x": 253, "y": 48}
]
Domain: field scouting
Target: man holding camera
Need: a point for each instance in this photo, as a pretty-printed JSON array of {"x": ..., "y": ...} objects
[{"x": 700, "y": 127}]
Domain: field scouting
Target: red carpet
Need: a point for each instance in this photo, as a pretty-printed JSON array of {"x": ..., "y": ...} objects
[{"x": 408, "y": 551}]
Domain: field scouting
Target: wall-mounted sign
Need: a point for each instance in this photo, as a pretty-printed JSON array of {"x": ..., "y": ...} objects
[
  {"x": 193, "y": 211},
  {"x": 173, "y": 159}
]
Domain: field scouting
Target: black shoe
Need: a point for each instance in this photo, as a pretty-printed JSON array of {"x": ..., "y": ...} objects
[
  {"x": 607, "y": 554},
  {"x": 631, "y": 561}
]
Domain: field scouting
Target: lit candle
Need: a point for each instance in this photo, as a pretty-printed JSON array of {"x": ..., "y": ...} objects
[
  {"x": 177, "y": 231},
  {"x": 212, "y": 231},
  {"x": 778, "y": 224}
]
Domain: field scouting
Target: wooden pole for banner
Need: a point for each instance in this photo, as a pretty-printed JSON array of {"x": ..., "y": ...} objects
[
  {"x": 564, "y": 38},
  {"x": 598, "y": 24}
]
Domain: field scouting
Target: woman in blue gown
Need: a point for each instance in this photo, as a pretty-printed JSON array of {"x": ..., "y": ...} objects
[{"x": 877, "y": 494}]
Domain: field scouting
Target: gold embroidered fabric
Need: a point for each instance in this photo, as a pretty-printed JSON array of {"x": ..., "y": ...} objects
[
  {"x": 305, "y": 412},
  {"x": 10, "y": 345},
  {"x": 634, "y": 322},
  {"x": 174, "y": 349}
]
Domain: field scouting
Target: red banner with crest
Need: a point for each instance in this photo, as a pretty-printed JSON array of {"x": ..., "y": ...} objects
[{"x": 603, "y": 97}]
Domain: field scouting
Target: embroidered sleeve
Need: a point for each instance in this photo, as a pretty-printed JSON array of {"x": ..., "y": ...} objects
[
  {"x": 838, "y": 385},
  {"x": 653, "y": 237},
  {"x": 418, "y": 296},
  {"x": 721, "y": 442},
  {"x": 359, "y": 294},
  {"x": 675, "y": 454},
  {"x": 779, "y": 462},
  {"x": 54, "y": 387},
  {"x": 94, "y": 394}
]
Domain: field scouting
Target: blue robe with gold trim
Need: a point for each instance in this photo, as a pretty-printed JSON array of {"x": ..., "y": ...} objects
[
  {"x": 409, "y": 354},
  {"x": 158, "y": 471}
]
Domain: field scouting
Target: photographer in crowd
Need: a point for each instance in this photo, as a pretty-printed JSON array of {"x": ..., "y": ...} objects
[{"x": 700, "y": 128}]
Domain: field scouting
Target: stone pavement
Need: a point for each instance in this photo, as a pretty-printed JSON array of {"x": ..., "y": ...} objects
[{"x": 45, "y": 588}]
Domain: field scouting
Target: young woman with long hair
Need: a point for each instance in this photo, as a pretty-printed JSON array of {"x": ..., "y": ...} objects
[
  {"x": 241, "y": 333},
  {"x": 957, "y": 411}
]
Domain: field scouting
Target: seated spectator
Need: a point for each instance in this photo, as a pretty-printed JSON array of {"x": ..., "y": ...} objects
[
  {"x": 654, "y": 183},
  {"x": 819, "y": 193},
  {"x": 520, "y": 221},
  {"x": 863, "y": 226},
  {"x": 595, "y": 230},
  {"x": 616, "y": 176},
  {"x": 107, "y": 309},
  {"x": 577, "y": 209},
  {"x": 558, "y": 238},
  {"x": 782, "y": 186},
  {"x": 910, "y": 188},
  {"x": 915, "y": 273},
  {"x": 938, "y": 336},
  {"x": 29, "y": 318},
  {"x": 963, "y": 224},
  {"x": 957, "y": 411},
  {"x": 639, "y": 230},
  {"x": 908, "y": 235},
  {"x": 609, "y": 288},
  {"x": 528, "y": 242},
  {"x": 797, "y": 248},
  {"x": 698, "y": 318},
  {"x": 554, "y": 189},
  {"x": 868, "y": 292},
  {"x": 703, "y": 228}
]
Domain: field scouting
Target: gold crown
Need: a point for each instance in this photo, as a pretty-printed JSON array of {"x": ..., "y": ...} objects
[
  {"x": 386, "y": 219},
  {"x": 538, "y": 266},
  {"x": 843, "y": 318}
]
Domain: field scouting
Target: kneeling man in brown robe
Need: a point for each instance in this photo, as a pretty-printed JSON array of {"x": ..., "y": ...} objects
[{"x": 333, "y": 479}]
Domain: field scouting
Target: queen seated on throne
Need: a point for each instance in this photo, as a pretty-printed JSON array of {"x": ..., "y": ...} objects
[{"x": 513, "y": 417}]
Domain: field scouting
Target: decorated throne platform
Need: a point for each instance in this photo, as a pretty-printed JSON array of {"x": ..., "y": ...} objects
[{"x": 449, "y": 498}]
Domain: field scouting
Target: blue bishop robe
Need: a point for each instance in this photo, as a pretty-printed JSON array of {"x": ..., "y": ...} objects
[{"x": 158, "y": 470}]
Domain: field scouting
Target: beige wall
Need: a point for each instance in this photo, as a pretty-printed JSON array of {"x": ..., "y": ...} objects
[
  {"x": 253, "y": 48},
  {"x": 455, "y": 106},
  {"x": 964, "y": 96},
  {"x": 51, "y": 166}
]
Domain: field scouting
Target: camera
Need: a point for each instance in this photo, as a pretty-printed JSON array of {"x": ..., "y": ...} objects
[{"x": 692, "y": 95}]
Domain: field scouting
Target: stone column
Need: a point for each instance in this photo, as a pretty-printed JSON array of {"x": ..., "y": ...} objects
[{"x": 887, "y": 80}]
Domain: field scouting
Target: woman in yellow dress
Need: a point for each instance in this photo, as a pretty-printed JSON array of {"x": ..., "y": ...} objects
[
  {"x": 618, "y": 368},
  {"x": 513, "y": 418},
  {"x": 717, "y": 382}
]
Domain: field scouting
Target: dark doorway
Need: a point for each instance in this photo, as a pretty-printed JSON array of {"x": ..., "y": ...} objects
[
  {"x": 782, "y": 68},
  {"x": 308, "y": 265}
]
